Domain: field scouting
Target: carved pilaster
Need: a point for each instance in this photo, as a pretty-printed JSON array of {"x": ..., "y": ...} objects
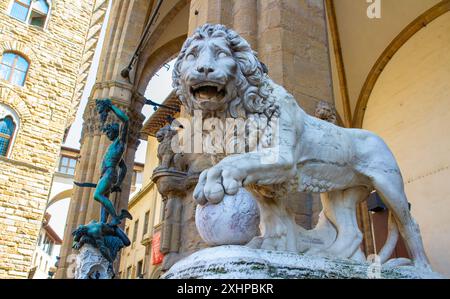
[
  {"x": 172, "y": 185},
  {"x": 93, "y": 36},
  {"x": 174, "y": 182}
]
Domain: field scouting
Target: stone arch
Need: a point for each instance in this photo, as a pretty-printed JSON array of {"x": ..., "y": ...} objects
[
  {"x": 16, "y": 102},
  {"x": 19, "y": 48},
  {"x": 157, "y": 59},
  {"x": 60, "y": 196},
  {"x": 164, "y": 42},
  {"x": 407, "y": 33}
]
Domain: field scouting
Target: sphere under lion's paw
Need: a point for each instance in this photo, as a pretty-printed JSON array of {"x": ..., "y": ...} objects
[{"x": 233, "y": 221}]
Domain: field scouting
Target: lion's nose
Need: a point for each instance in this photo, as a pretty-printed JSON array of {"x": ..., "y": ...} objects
[{"x": 206, "y": 69}]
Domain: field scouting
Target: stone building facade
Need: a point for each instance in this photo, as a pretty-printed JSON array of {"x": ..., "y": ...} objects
[
  {"x": 43, "y": 55},
  {"x": 340, "y": 52}
]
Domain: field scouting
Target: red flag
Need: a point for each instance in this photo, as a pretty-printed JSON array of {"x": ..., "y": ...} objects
[{"x": 157, "y": 255}]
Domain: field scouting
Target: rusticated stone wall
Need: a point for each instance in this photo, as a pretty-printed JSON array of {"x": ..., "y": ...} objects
[{"x": 43, "y": 105}]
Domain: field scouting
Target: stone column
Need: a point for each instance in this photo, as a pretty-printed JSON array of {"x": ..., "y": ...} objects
[
  {"x": 245, "y": 20},
  {"x": 126, "y": 22},
  {"x": 211, "y": 11},
  {"x": 293, "y": 43}
]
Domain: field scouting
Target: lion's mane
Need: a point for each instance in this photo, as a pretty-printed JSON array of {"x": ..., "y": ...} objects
[{"x": 252, "y": 82}]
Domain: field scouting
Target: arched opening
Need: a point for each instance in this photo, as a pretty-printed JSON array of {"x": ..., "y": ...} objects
[
  {"x": 58, "y": 208},
  {"x": 9, "y": 124},
  {"x": 14, "y": 68},
  {"x": 409, "y": 107},
  {"x": 157, "y": 89},
  {"x": 60, "y": 196},
  {"x": 154, "y": 69}
]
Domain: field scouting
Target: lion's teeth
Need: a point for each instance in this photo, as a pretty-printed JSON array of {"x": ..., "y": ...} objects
[
  {"x": 207, "y": 84},
  {"x": 208, "y": 91}
]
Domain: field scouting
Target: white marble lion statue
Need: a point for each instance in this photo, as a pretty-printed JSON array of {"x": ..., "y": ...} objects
[{"x": 218, "y": 73}]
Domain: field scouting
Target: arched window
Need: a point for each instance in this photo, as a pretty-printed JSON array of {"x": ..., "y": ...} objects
[
  {"x": 7, "y": 128},
  {"x": 34, "y": 12},
  {"x": 13, "y": 68},
  {"x": 9, "y": 123},
  {"x": 39, "y": 13}
]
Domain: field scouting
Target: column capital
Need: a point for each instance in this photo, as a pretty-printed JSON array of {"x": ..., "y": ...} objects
[
  {"x": 92, "y": 125},
  {"x": 113, "y": 83},
  {"x": 136, "y": 122}
]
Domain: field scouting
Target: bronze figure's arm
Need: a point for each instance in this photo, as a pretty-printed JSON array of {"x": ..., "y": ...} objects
[
  {"x": 125, "y": 119},
  {"x": 104, "y": 106}
]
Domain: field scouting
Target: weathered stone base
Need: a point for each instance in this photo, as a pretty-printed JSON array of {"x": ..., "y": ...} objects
[
  {"x": 239, "y": 262},
  {"x": 92, "y": 265}
]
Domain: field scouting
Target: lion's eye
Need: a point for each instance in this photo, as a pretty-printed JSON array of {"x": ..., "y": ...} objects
[
  {"x": 190, "y": 56},
  {"x": 222, "y": 55}
]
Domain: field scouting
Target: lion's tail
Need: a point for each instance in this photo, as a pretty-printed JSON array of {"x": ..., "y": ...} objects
[{"x": 389, "y": 246}]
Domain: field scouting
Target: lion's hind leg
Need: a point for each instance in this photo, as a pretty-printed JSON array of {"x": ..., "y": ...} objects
[
  {"x": 340, "y": 209},
  {"x": 278, "y": 228},
  {"x": 390, "y": 188}
]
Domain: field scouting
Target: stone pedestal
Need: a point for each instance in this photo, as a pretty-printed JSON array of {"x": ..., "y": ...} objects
[
  {"x": 240, "y": 262},
  {"x": 92, "y": 265},
  {"x": 179, "y": 237}
]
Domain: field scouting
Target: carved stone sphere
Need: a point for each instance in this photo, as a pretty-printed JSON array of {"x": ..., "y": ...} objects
[{"x": 233, "y": 221}]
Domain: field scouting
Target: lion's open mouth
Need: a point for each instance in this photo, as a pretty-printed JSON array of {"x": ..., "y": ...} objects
[{"x": 208, "y": 91}]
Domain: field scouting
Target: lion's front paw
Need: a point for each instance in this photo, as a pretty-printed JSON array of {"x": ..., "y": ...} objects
[{"x": 214, "y": 183}]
